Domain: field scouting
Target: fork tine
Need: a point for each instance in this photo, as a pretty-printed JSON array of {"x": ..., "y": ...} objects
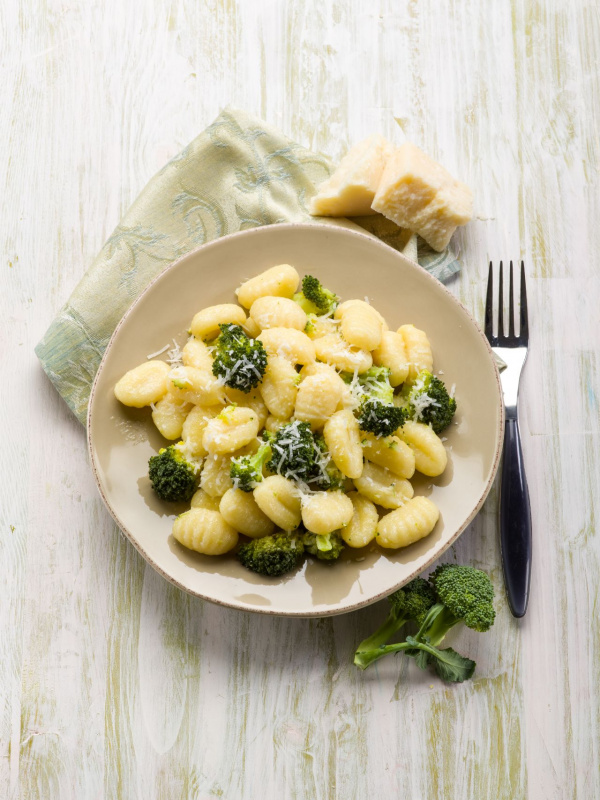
[
  {"x": 524, "y": 327},
  {"x": 489, "y": 304},
  {"x": 511, "y": 304},
  {"x": 500, "y": 333}
]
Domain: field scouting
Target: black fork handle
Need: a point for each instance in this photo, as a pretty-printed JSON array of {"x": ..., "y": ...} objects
[{"x": 515, "y": 521}]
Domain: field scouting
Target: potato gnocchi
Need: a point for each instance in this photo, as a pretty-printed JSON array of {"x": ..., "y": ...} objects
[{"x": 296, "y": 421}]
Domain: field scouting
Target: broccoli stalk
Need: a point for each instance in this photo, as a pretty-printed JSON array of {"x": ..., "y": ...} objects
[
  {"x": 246, "y": 472},
  {"x": 377, "y": 414},
  {"x": 463, "y": 594},
  {"x": 239, "y": 360},
  {"x": 410, "y": 603},
  {"x": 428, "y": 401},
  {"x": 326, "y": 547},
  {"x": 315, "y": 298},
  {"x": 172, "y": 475},
  {"x": 272, "y": 555}
]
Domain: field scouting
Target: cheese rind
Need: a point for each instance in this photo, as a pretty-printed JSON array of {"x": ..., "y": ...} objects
[
  {"x": 417, "y": 193},
  {"x": 349, "y": 192}
]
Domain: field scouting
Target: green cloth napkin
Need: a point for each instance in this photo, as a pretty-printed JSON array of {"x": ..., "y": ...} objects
[{"x": 237, "y": 174}]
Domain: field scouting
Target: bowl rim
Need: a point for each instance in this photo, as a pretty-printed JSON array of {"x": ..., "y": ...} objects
[{"x": 240, "y": 606}]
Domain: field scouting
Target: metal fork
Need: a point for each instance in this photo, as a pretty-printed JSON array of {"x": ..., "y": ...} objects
[{"x": 515, "y": 513}]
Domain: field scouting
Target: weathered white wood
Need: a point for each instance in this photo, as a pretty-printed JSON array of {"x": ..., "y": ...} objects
[{"x": 114, "y": 684}]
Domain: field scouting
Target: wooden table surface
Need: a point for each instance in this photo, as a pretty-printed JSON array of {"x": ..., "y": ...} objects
[{"x": 114, "y": 684}]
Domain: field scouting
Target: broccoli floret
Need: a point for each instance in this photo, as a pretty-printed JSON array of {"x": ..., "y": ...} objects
[
  {"x": 238, "y": 359},
  {"x": 465, "y": 594},
  {"x": 172, "y": 475},
  {"x": 294, "y": 452},
  {"x": 272, "y": 555},
  {"x": 326, "y": 547},
  {"x": 379, "y": 418},
  {"x": 377, "y": 413},
  {"x": 309, "y": 328},
  {"x": 409, "y": 603},
  {"x": 429, "y": 402},
  {"x": 246, "y": 472},
  {"x": 462, "y": 594},
  {"x": 375, "y": 383},
  {"x": 314, "y": 297}
]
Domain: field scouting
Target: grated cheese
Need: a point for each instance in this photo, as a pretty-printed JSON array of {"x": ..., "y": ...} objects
[
  {"x": 158, "y": 352},
  {"x": 174, "y": 356}
]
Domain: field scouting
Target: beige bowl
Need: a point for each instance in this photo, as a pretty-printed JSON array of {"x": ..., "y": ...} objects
[{"x": 121, "y": 440}]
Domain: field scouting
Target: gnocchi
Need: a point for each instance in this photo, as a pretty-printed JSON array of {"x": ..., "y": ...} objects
[
  {"x": 309, "y": 396},
  {"x": 169, "y": 415},
  {"x": 389, "y": 452},
  {"x": 391, "y": 353},
  {"x": 202, "y": 500},
  {"x": 418, "y": 350},
  {"x": 277, "y": 312},
  {"x": 318, "y": 397},
  {"x": 232, "y": 429},
  {"x": 288, "y": 343},
  {"x": 342, "y": 436},
  {"x": 430, "y": 454},
  {"x": 205, "y": 324},
  {"x": 406, "y": 525},
  {"x": 326, "y": 512},
  {"x": 281, "y": 281},
  {"x": 278, "y": 498},
  {"x": 280, "y": 387},
  {"x": 241, "y": 511},
  {"x": 361, "y": 326},
  {"x": 196, "y": 354},
  {"x": 382, "y": 487},
  {"x": 205, "y": 531},
  {"x": 361, "y": 529},
  {"x": 342, "y": 356},
  {"x": 143, "y": 385},
  {"x": 196, "y": 386}
]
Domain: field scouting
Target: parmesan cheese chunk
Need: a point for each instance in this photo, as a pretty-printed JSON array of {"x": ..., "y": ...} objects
[
  {"x": 417, "y": 193},
  {"x": 350, "y": 190}
]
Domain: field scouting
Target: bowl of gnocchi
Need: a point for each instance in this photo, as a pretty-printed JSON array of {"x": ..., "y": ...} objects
[{"x": 295, "y": 420}]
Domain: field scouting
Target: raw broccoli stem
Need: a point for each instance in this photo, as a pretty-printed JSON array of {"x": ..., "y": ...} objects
[
  {"x": 381, "y": 636},
  {"x": 449, "y": 665}
]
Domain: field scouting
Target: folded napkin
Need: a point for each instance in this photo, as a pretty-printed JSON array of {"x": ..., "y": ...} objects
[{"x": 237, "y": 174}]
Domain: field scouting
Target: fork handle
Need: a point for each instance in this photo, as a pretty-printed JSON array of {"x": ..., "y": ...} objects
[{"x": 515, "y": 521}]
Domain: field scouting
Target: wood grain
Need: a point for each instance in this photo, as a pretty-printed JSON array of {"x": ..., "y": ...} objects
[{"x": 113, "y": 683}]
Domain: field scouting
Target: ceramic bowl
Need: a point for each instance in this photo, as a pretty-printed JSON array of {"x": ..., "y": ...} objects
[{"x": 355, "y": 265}]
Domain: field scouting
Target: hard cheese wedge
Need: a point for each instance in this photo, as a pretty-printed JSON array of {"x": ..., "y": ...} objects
[
  {"x": 351, "y": 189},
  {"x": 417, "y": 193}
]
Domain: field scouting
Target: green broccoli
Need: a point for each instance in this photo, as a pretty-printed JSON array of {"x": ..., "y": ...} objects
[
  {"x": 272, "y": 555},
  {"x": 294, "y": 452},
  {"x": 326, "y": 547},
  {"x": 315, "y": 298},
  {"x": 377, "y": 413},
  {"x": 309, "y": 328},
  {"x": 409, "y": 603},
  {"x": 463, "y": 594},
  {"x": 239, "y": 360},
  {"x": 247, "y": 471},
  {"x": 173, "y": 476},
  {"x": 428, "y": 401}
]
